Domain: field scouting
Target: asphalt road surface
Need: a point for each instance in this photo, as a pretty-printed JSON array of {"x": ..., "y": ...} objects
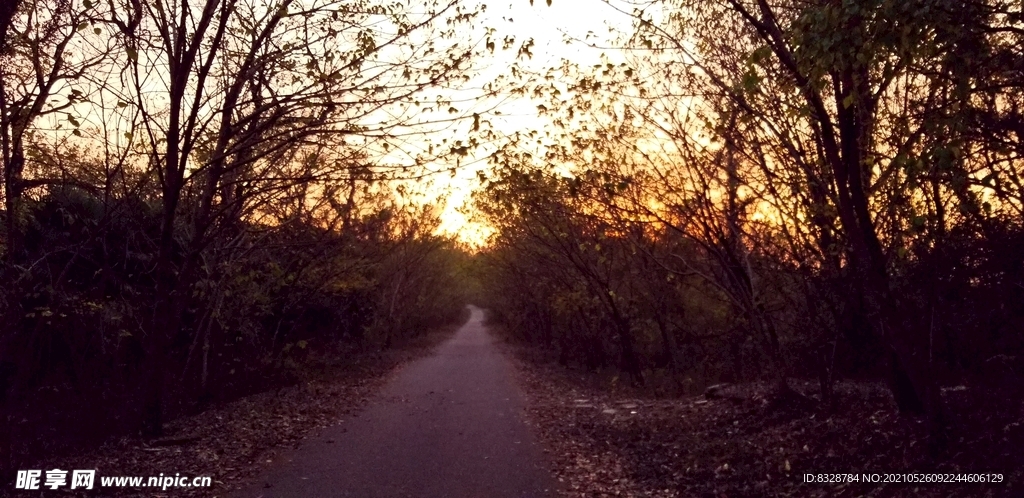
[{"x": 449, "y": 425}]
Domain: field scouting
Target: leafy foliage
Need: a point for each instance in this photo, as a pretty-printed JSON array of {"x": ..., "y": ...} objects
[{"x": 774, "y": 189}]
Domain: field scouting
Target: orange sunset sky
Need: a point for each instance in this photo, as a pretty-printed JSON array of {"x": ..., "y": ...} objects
[{"x": 548, "y": 25}]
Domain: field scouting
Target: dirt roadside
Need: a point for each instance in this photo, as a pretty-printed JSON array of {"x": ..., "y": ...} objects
[{"x": 614, "y": 441}]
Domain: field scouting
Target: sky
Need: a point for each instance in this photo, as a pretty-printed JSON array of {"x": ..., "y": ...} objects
[{"x": 547, "y": 25}]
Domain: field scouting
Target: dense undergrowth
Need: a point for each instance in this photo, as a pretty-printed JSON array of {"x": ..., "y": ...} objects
[
  {"x": 232, "y": 442},
  {"x": 261, "y": 301}
]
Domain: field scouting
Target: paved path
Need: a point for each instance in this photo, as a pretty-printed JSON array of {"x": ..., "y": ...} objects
[{"x": 449, "y": 425}]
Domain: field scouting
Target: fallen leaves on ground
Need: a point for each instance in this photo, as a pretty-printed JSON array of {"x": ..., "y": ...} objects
[{"x": 739, "y": 444}]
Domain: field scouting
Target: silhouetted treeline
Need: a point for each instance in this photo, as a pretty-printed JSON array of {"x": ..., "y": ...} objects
[
  {"x": 264, "y": 297},
  {"x": 637, "y": 296},
  {"x": 199, "y": 194},
  {"x": 756, "y": 189}
]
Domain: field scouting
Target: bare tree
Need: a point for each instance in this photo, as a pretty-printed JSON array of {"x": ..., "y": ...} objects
[
  {"x": 37, "y": 80},
  {"x": 243, "y": 86}
]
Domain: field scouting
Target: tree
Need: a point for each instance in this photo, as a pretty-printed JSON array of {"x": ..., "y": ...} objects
[
  {"x": 823, "y": 140},
  {"x": 243, "y": 89},
  {"x": 544, "y": 218},
  {"x": 37, "y": 80}
]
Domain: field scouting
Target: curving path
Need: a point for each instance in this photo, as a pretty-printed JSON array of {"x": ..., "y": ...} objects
[{"x": 449, "y": 425}]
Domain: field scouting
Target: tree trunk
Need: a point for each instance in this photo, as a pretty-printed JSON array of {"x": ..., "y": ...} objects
[
  {"x": 164, "y": 322},
  {"x": 668, "y": 346},
  {"x": 826, "y": 374},
  {"x": 631, "y": 364},
  {"x": 12, "y": 204},
  {"x": 7, "y": 10},
  {"x": 903, "y": 391}
]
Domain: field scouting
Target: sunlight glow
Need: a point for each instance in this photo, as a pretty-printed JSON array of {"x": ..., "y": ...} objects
[{"x": 552, "y": 28}]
